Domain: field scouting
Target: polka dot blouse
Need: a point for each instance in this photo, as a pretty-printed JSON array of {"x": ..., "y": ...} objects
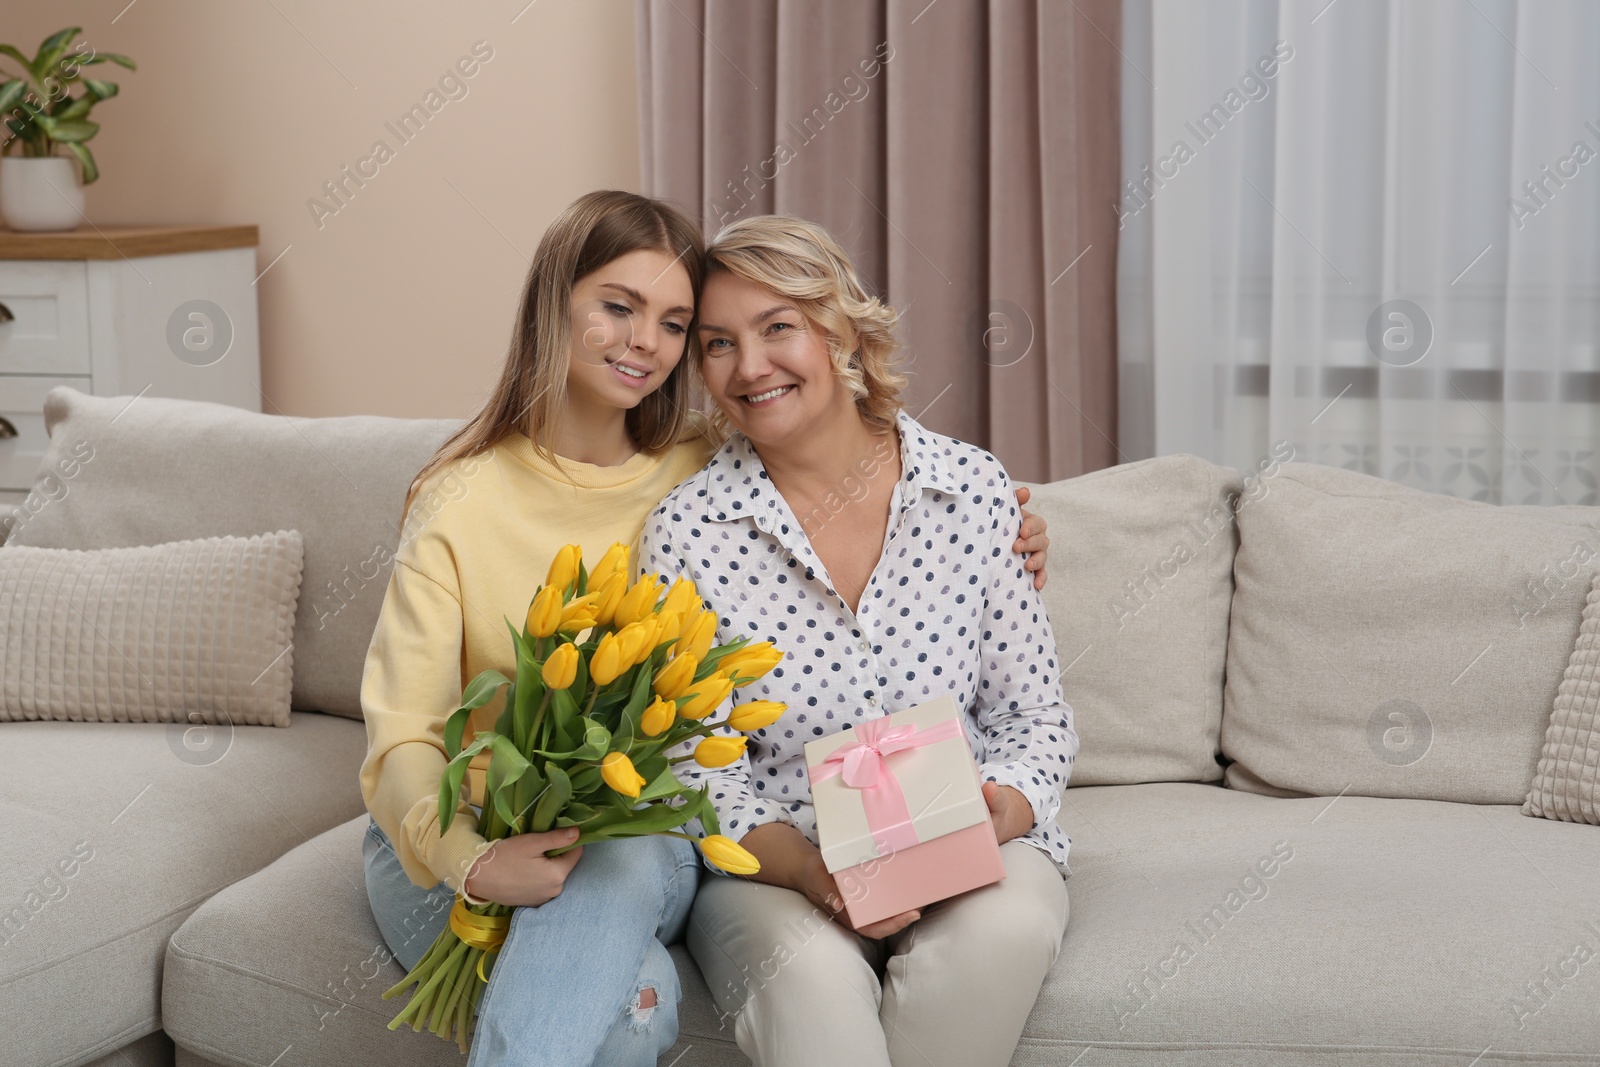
[{"x": 948, "y": 609}]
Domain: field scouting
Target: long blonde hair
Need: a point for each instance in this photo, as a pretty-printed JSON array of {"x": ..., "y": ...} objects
[
  {"x": 531, "y": 395},
  {"x": 798, "y": 260}
]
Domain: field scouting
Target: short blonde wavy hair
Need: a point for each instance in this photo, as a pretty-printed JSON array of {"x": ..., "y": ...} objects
[{"x": 798, "y": 260}]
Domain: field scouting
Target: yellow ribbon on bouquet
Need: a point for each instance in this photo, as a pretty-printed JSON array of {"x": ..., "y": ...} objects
[{"x": 486, "y": 932}]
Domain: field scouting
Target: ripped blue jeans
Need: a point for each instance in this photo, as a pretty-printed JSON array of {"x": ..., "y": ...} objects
[{"x": 564, "y": 991}]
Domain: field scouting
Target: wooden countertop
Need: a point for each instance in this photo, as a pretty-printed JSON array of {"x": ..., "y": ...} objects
[{"x": 117, "y": 242}]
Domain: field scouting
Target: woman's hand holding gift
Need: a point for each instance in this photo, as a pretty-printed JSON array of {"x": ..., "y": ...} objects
[
  {"x": 822, "y": 890},
  {"x": 1009, "y": 810},
  {"x": 789, "y": 860}
]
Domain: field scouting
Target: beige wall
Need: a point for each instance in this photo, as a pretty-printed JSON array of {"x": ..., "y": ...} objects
[{"x": 401, "y": 303}]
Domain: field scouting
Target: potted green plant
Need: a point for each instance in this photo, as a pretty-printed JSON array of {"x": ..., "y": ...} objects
[{"x": 42, "y": 190}]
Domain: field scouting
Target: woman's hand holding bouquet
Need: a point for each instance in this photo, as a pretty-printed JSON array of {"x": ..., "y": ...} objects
[{"x": 610, "y": 676}]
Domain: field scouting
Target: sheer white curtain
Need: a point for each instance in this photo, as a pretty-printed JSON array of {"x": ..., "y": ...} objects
[{"x": 1369, "y": 230}]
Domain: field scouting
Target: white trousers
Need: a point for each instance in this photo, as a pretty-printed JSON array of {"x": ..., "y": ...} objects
[{"x": 955, "y": 988}]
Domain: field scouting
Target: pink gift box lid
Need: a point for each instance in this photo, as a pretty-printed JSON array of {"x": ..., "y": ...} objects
[{"x": 939, "y": 781}]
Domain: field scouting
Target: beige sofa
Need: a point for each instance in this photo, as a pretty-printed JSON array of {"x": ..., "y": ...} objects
[{"x": 1310, "y": 707}]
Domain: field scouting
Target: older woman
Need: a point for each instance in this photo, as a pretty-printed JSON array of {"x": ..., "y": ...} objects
[{"x": 875, "y": 554}]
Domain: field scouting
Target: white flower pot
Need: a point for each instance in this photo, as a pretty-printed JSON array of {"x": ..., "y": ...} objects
[{"x": 40, "y": 194}]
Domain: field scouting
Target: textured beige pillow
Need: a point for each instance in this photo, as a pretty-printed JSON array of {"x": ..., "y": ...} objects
[
  {"x": 1141, "y": 574},
  {"x": 1566, "y": 784},
  {"x": 1394, "y": 643},
  {"x": 190, "y": 631},
  {"x": 123, "y": 470}
]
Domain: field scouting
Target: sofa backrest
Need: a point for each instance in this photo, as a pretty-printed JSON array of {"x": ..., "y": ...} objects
[
  {"x": 124, "y": 471},
  {"x": 1391, "y": 642},
  {"x": 1141, "y": 577}
]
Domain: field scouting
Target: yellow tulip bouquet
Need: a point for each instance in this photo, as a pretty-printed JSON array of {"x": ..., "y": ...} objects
[{"x": 610, "y": 678}]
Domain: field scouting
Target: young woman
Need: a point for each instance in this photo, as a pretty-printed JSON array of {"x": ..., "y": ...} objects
[
  {"x": 908, "y": 592},
  {"x": 587, "y": 429}
]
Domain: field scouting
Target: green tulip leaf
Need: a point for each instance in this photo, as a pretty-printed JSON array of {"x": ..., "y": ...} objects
[
  {"x": 454, "y": 774},
  {"x": 644, "y": 821},
  {"x": 555, "y": 798},
  {"x": 478, "y": 693},
  {"x": 566, "y": 714},
  {"x": 506, "y": 768},
  {"x": 665, "y": 784},
  {"x": 707, "y": 813},
  {"x": 586, "y": 781},
  {"x": 577, "y": 814},
  {"x": 596, "y": 743}
]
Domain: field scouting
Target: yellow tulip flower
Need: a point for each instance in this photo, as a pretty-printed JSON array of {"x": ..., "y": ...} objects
[
  {"x": 719, "y": 751},
  {"x": 697, "y": 636},
  {"x": 670, "y": 625},
  {"x": 751, "y": 661},
  {"x": 673, "y": 680},
  {"x": 682, "y": 597},
  {"x": 544, "y": 614},
  {"x": 634, "y": 640},
  {"x": 607, "y": 596},
  {"x": 638, "y": 601},
  {"x": 578, "y": 615},
  {"x": 607, "y": 662},
  {"x": 614, "y": 562},
  {"x": 618, "y": 772},
  {"x": 707, "y": 696},
  {"x": 729, "y": 855},
  {"x": 650, "y": 637},
  {"x": 658, "y": 717},
  {"x": 561, "y": 669},
  {"x": 564, "y": 568},
  {"x": 756, "y": 715}
]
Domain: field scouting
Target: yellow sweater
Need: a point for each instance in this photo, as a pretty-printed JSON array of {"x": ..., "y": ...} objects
[{"x": 477, "y": 542}]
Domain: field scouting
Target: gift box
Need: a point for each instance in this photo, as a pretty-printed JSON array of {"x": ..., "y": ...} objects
[{"x": 901, "y": 818}]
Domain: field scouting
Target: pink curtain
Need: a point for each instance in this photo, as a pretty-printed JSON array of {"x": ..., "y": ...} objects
[{"x": 967, "y": 155}]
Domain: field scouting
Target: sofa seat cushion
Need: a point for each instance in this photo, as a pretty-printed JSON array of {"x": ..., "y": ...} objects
[
  {"x": 115, "y": 832},
  {"x": 1212, "y": 926},
  {"x": 1387, "y": 930}
]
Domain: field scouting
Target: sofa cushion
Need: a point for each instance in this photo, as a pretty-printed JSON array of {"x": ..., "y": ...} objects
[
  {"x": 189, "y": 631},
  {"x": 115, "y": 832},
  {"x": 1211, "y": 926},
  {"x": 294, "y": 952},
  {"x": 1141, "y": 574},
  {"x": 1391, "y": 642},
  {"x": 1566, "y": 783},
  {"x": 150, "y": 469},
  {"x": 1310, "y": 933}
]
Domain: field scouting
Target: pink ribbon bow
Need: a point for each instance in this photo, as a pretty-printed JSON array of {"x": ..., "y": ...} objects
[{"x": 863, "y": 764}]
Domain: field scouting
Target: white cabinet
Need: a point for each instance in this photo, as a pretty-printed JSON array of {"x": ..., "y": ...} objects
[{"x": 158, "y": 311}]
